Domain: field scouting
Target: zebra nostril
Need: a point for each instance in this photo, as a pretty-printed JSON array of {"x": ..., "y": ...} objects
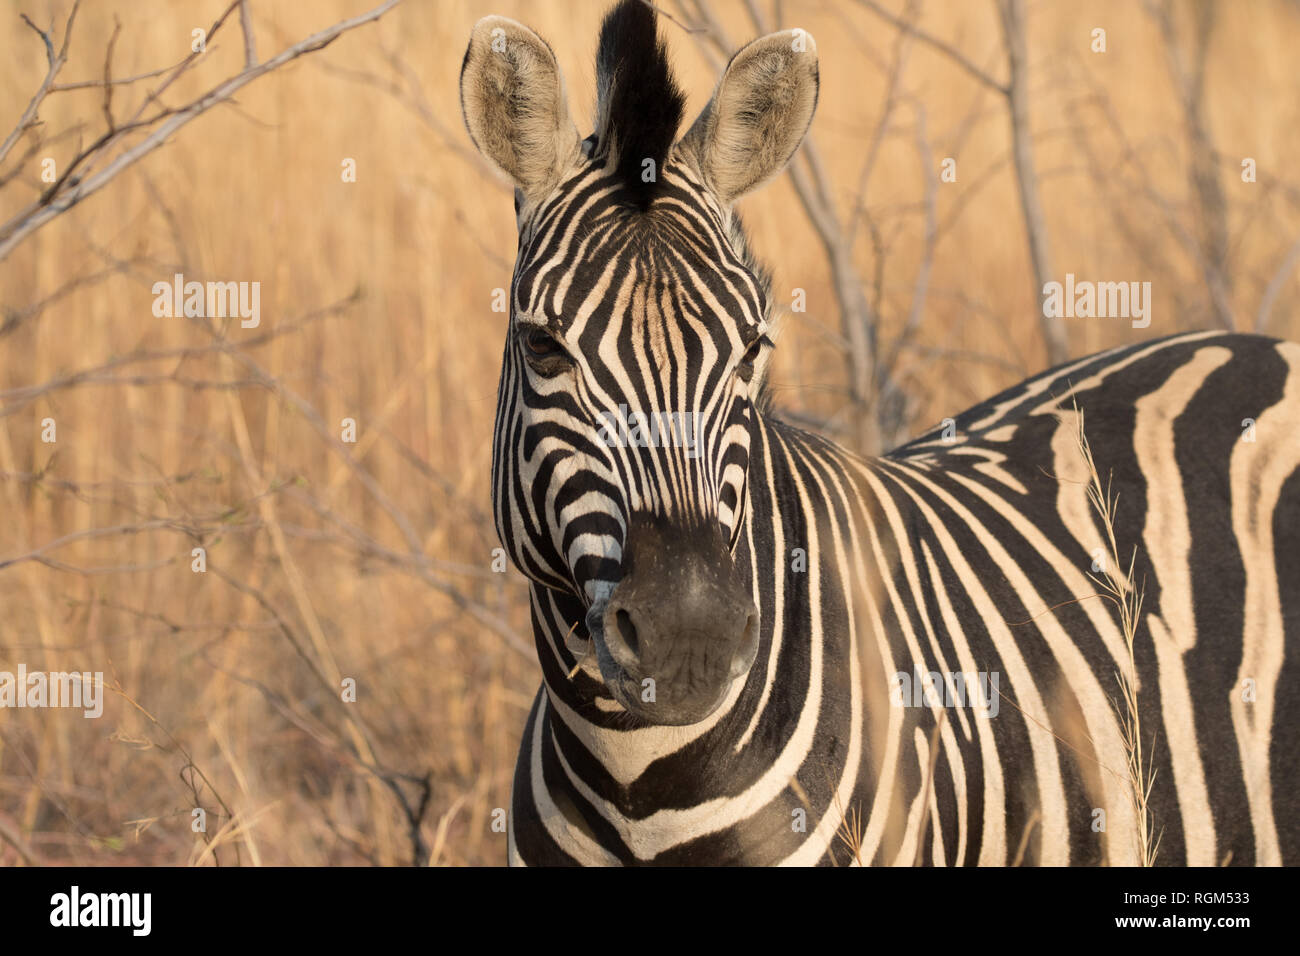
[{"x": 627, "y": 632}]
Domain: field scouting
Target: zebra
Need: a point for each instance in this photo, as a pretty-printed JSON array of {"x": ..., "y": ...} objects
[{"x": 749, "y": 637}]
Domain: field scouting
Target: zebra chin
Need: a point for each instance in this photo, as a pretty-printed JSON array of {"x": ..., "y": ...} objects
[{"x": 680, "y": 628}]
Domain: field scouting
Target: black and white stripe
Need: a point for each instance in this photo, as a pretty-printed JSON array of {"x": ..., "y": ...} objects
[{"x": 966, "y": 552}]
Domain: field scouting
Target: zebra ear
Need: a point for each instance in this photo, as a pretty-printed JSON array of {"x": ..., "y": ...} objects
[
  {"x": 758, "y": 115},
  {"x": 512, "y": 97}
]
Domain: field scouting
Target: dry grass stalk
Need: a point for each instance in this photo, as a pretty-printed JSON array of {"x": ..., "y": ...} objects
[
  {"x": 927, "y": 788},
  {"x": 1035, "y": 819},
  {"x": 850, "y": 833},
  {"x": 1117, "y": 585}
]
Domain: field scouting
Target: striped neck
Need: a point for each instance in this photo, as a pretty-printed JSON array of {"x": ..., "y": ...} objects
[{"x": 779, "y": 549}]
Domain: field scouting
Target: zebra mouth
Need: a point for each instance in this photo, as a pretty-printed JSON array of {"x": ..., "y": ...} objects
[
  {"x": 679, "y": 629},
  {"x": 638, "y": 694}
]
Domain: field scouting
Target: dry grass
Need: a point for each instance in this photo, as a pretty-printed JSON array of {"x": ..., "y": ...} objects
[
  {"x": 372, "y": 560},
  {"x": 850, "y": 832},
  {"x": 1119, "y": 587}
]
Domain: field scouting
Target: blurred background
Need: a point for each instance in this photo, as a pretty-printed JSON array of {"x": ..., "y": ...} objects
[{"x": 964, "y": 152}]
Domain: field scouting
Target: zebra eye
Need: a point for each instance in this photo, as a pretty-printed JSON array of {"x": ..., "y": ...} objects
[
  {"x": 540, "y": 343},
  {"x": 543, "y": 352},
  {"x": 746, "y": 369}
]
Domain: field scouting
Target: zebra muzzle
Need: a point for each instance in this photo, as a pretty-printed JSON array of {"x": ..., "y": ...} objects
[{"x": 679, "y": 629}]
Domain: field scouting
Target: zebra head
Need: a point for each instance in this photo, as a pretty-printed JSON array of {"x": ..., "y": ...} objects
[{"x": 637, "y": 344}]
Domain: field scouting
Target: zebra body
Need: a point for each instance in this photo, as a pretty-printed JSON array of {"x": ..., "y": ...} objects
[
  {"x": 735, "y": 626},
  {"x": 969, "y": 556}
]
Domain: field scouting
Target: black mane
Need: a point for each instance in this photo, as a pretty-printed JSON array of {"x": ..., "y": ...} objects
[{"x": 641, "y": 105}]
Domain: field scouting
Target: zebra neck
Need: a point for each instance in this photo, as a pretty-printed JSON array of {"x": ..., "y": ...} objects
[{"x": 792, "y": 536}]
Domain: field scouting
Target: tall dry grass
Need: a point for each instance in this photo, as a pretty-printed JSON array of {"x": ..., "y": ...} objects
[
  {"x": 1118, "y": 585},
  {"x": 372, "y": 561}
]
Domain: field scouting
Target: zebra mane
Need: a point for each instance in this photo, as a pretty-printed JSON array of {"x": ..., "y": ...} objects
[{"x": 639, "y": 105}]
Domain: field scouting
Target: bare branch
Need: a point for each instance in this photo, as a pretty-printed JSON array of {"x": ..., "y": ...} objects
[
  {"x": 1202, "y": 170},
  {"x": 250, "y": 42},
  {"x": 411, "y": 96},
  {"x": 108, "y": 75},
  {"x": 921, "y": 283},
  {"x": 45, "y": 37},
  {"x": 1275, "y": 284},
  {"x": 882, "y": 127},
  {"x": 55, "y": 63},
  {"x": 124, "y": 81},
  {"x": 907, "y": 26},
  {"x": 1031, "y": 205},
  {"x": 71, "y": 190}
]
